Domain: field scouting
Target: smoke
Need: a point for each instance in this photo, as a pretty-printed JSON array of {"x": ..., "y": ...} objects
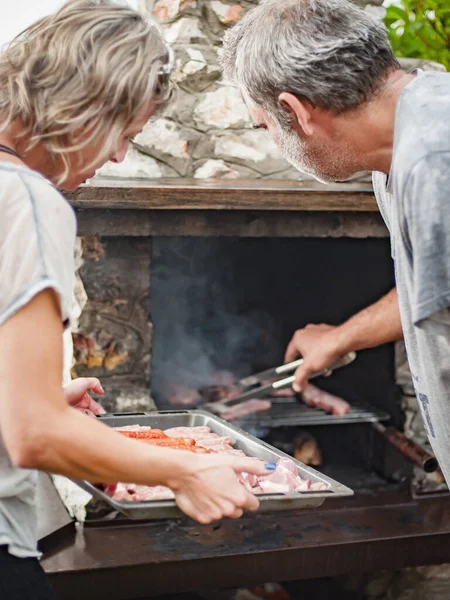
[{"x": 202, "y": 327}]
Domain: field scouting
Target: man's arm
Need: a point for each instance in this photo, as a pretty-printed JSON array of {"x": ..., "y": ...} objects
[{"x": 321, "y": 345}]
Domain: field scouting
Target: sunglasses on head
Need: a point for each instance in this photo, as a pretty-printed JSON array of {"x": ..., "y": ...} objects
[{"x": 167, "y": 68}]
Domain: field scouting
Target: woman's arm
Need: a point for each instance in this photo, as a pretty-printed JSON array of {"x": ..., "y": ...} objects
[{"x": 41, "y": 431}]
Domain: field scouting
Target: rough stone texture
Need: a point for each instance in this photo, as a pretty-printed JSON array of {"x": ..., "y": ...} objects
[
  {"x": 222, "y": 108},
  {"x": 209, "y": 120},
  {"x": 135, "y": 164},
  {"x": 215, "y": 169},
  {"x": 430, "y": 583},
  {"x": 113, "y": 338},
  {"x": 408, "y": 64},
  {"x": 168, "y": 10}
]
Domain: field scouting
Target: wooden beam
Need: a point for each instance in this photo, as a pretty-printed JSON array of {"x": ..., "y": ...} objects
[
  {"x": 193, "y": 194},
  {"x": 240, "y": 223}
]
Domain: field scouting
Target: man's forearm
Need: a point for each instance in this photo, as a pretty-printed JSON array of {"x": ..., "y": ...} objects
[
  {"x": 377, "y": 324},
  {"x": 321, "y": 345}
]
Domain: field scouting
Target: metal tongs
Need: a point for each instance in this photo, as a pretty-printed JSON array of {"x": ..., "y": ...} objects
[{"x": 254, "y": 386}]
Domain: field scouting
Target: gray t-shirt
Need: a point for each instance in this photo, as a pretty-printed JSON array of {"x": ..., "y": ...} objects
[
  {"x": 415, "y": 204},
  {"x": 37, "y": 237}
]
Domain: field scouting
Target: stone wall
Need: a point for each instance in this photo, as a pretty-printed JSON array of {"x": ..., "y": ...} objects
[
  {"x": 112, "y": 335},
  {"x": 208, "y": 133}
]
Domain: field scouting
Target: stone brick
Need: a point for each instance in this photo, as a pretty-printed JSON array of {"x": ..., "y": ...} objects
[
  {"x": 226, "y": 13},
  {"x": 196, "y": 69},
  {"x": 409, "y": 586},
  {"x": 195, "y": 63},
  {"x": 165, "y": 140},
  {"x": 164, "y": 135},
  {"x": 223, "y": 108},
  {"x": 215, "y": 169},
  {"x": 185, "y": 31},
  {"x": 435, "y": 572},
  {"x": 253, "y": 147},
  {"x": 135, "y": 164},
  {"x": 168, "y": 10},
  {"x": 114, "y": 334},
  {"x": 183, "y": 110},
  {"x": 242, "y": 171}
]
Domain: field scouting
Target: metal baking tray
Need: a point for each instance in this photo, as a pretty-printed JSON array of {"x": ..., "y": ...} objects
[{"x": 166, "y": 509}]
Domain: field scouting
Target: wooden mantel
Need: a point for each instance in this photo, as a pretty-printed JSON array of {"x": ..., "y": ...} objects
[
  {"x": 255, "y": 208},
  {"x": 196, "y": 194}
]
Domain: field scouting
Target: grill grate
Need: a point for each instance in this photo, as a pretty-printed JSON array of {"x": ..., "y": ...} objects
[{"x": 287, "y": 412}]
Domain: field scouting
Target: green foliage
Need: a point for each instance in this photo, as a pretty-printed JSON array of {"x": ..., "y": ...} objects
[{"x": 420, "y": 29}]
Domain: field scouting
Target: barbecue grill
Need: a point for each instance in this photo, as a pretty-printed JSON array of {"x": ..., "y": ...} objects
[
  {"x": 281, "y": 283},
  {"x": 327, "y": 281}
]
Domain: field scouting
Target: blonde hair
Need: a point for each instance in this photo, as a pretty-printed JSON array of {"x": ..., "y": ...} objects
[{"x": 91, "y": 66}]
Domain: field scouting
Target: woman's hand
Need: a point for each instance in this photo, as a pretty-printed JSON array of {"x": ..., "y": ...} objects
[
  {"x": 208, "y": 488},
  {"x": 76, "y": 395}
]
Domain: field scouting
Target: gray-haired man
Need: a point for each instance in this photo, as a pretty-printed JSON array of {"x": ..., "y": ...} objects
[{"x": 320, "y": 76}]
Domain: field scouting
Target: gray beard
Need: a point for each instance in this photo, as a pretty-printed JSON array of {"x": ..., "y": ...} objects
[{"x": 292, "y": 147}]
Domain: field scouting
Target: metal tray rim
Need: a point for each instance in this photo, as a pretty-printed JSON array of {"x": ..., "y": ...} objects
[{"x": 268, "y": 502}]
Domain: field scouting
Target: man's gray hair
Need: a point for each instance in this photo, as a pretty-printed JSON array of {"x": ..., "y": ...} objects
[{"x": 328, "y": 52}]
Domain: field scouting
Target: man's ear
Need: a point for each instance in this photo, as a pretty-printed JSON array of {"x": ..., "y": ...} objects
[{"x": 300, "y": 111}]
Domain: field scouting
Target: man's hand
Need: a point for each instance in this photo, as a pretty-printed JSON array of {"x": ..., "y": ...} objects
[
  {"x": 322, "y": 345},
  {"x": 318, "y": 345},
  {"x": 76, "y": 395}
]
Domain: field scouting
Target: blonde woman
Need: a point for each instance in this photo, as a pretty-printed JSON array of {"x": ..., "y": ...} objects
[{"x": 74, "y": 88}]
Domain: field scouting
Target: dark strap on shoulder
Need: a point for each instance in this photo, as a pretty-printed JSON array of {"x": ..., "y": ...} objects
[{"x": 9, "y": 150}]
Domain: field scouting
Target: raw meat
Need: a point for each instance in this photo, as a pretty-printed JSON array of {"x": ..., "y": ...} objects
[
  {"x": 123, "y": 492},
  {"x": 147, "y": 433},
  {"x": 318, "y": 486},
  {"x": 192, "y": 432},
  {"x": 317, "y": 398},
  {"x": 283, "y": 480},
  {"x": 250, "y": 480},
  {"x": 132, "y": 428},
  {"x": 216, "y": 393},
  {"x": 203, "y": 437},
  {"x": 285, "y": 474},
  {"x": 129, "y": 492},
  {"x": 180, "y": 396},
  {"x": 234, "y": 451},
  {"x": 283, "y": 393},
  {"x": 271, "y": 487},
  {"x": 245, "y": 408},
  {"x": 157, "y": 437},
  {"x": 158, "y": 492},
  {"x": 219, "y": 441}
]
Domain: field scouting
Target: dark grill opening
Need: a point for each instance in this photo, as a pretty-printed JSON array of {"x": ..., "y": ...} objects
[
  {"x": 223, "y": 308},
  {"x": 232, "y": 304}
]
